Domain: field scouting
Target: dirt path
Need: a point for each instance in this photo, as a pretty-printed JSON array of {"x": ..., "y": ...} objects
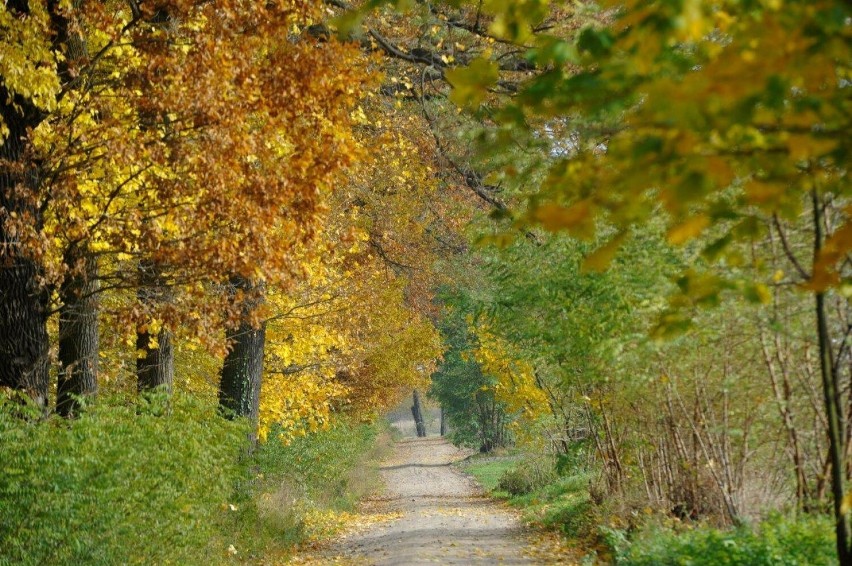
[{"x": 434, "y": 515}]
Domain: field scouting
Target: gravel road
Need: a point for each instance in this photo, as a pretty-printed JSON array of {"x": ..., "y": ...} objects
[{"x": 436, "y": 515}]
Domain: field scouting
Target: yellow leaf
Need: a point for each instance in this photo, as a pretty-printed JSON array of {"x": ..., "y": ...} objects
[
  {"x": 470, "y": 84},
  {"x": 846, "y": 503},
  {"x": 719, "y": 169},
  {"x": 763, "y": 193},
  {"x": 689, "y": 229},
  {"x": 759, "y": 293}
]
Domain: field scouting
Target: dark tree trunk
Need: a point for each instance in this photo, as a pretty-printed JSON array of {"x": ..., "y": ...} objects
[
  {"x": 155, "y": 366},
  {"x": 417, "y": 413},
  {"x": 78, "y": 332},
  {"x": 833, "y": 407},
  {"x": 239, "y": 388},
  {"x": 24, "y": 342},
  {"x": 486, "y": 423},
  {"x": 443, "y": 423}
]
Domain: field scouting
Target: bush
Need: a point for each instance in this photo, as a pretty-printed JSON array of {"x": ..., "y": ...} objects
[
  {"x": 778, "y": 541},
  {"x": 528, "y": 476},
  {"x": 124, "y": 483},
  {"x": 577, "y": 458}
]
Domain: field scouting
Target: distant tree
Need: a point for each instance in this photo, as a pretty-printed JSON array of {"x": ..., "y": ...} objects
[{"x": 475, "y": 416}]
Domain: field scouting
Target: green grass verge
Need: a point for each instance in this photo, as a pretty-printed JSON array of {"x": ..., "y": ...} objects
[
  {"x": 488, "y": 468},
  {"x": 562, "y": 505}
]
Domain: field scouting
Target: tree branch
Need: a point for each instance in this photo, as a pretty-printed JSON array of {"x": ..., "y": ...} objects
[{"x": 785, "y": 244}]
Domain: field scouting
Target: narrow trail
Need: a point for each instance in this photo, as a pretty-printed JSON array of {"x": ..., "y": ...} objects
[{"x": 433, "y": 514}]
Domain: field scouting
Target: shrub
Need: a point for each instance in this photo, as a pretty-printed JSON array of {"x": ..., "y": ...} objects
[
  {"x": 323, "y": 465},
  {"x": 576, "y": 459},
  {"x": 528, "y": 476},
  {"x": 123, "y": 483}
]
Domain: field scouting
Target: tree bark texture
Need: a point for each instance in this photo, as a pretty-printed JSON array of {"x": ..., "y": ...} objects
[
  {"x": 155, "y": 366},
  {"x": 239, "y": 388},
  {"x": 24, "y": 342},
  {"x": 78, "y": 332}
]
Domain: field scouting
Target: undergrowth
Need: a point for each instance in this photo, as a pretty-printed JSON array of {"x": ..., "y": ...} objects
[
  {"x": 560, "y": 501},
  {"x": 302, "y": 490},
  {"x": 168, "y": 481},
  {"x": 125, "y": 483},
  {"x": 778, "y": 541}
]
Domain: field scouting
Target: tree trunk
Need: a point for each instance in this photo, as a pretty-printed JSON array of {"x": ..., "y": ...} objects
[
  {"x": 830, "y": 387},
  {"x": 78, "y": 332},
  {"x": 417, "y": 412},
  {"x": 443, "y": 423},
  {"x": 239, "y": 388},
  {"x": 155, "y": 369},
  {"x": 24, "y": 341},
  {"x": 155, "y": 363}
]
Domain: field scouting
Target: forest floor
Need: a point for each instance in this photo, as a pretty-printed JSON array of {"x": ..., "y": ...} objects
[{"x": 431, "y": 513}]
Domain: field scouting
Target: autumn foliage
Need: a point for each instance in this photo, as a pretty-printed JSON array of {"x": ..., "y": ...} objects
[{"x": 155, "y": 154}]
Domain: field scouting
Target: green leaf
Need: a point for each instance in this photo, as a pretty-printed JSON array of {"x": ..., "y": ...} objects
[
  {"x": 713, "y": 250},
  {"x": 757, "y": 293},
  {"x": 596, "y": 42},
  {"x": 470, "y": 84}
]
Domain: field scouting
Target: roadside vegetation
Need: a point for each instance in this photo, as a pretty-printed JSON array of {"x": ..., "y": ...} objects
[
  {"x": 558, "y": 499},
  {"x": 168, "y": 481}
]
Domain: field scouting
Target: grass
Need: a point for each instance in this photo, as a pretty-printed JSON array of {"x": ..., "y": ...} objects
[
  {"x": 778, "y": 541},
  {"x": 489, "y": 468},
  {"x": 562, "y": 505}
]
